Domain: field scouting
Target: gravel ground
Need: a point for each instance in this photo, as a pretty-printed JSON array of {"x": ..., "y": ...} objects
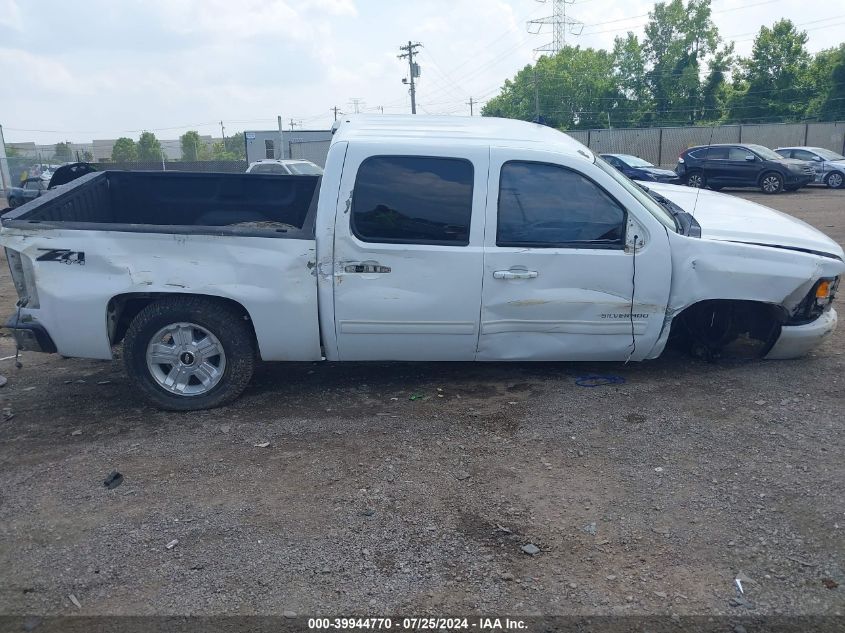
[{"x": 644, "y": 498}]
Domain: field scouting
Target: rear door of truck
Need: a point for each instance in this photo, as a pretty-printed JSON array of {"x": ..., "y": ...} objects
[{"x": 408, "y": 252}]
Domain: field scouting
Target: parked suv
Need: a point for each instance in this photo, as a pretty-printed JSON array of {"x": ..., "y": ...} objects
[
  {"x": 747, "y": 165},
  {"x": 829, "y": 166}
]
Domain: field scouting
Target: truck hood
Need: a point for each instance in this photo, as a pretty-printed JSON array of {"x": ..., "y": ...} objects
[{"x": 730, "y": 219}]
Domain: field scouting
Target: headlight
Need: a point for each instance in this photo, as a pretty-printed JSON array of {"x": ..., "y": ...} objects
[{"x": 819, "y": 297}]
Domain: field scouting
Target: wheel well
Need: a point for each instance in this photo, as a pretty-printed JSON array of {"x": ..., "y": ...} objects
[
  {"x": 123, "y": 308},
  {"x": 709, "y": 326},
  {"x": 767, "y": 172}
]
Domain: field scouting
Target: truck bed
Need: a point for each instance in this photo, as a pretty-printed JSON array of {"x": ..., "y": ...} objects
[{"x": 177, "y": 202}]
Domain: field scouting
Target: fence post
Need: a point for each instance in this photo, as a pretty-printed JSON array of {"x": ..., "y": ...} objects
[
  {"x": 588, "y": 139},
  {"x": 740, "y": 132},
  {"x": 806, "y": 130},
  {"x": 660, "y": 147}
]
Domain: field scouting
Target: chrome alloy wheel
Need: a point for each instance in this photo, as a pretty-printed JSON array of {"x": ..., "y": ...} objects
[
  {"x": 186, "y": 359},
  {"x": 771, "y": 184},
  {"x": 695, "y": 180}
]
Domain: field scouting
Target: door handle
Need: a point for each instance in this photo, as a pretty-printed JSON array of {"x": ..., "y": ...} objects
[
  {"x": 515, "y": 274},
  {"x": 365, "y": 267}
]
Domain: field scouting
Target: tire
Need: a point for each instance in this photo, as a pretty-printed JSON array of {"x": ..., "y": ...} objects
[
  {"x": 695, "y": 179},
  {"x": 835, "y": 180},
  {"x": 169, "y": 353},
  {"x": 771, "y": 183}
]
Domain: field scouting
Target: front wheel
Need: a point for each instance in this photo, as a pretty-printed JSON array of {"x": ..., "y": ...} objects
[
  {"x": 835, "y": 180},
  {"x": 771, "y": 183},
  {"x": 695, "y": 179},
  {"x": 189, "y": 353}
]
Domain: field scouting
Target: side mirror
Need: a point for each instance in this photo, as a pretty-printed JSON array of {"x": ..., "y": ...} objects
[{"x": 750, "y": 158}]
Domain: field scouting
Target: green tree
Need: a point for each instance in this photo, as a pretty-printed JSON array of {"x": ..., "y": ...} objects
[
  {"x": 716, "y": 91},
  {"x": 63, "y": 152},
  {"x": 149, "y": 147},
  {"x": 677, "y": 39},
  {"x": 191, "y": 144},
  {"x": 124, "y": 151},
  {"x": 87, "y": 156},
  {"x": 629, "y": 69},
  {"x": 574, "y": 89},
  {"x": 827, "y": 73},
  {"x": 774, "y": 82},
  {"x": 236, "y": 145}
]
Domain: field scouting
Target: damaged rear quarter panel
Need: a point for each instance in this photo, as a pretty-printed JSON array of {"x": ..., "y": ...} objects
[{"x": 269, "y": 277}]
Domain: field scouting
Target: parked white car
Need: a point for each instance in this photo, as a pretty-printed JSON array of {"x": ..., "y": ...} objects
[
  {"x": 285, "y": 167},
  {"x": 428, "y": 239},
  {"x": 828, "y": 165}
]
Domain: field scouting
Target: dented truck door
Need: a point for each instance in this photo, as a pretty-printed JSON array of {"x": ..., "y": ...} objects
[
  {"x": 408, "y": 252},
  {"x": 566, "y": 253}
]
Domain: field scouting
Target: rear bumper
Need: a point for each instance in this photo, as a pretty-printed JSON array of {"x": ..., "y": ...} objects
[
  {"x": 797, "y": 340},
  {"x": 30, "y": 336}
]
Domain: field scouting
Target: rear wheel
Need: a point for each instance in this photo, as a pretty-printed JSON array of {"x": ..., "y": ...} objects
[
  {"x": 189, "y": 353},
  {"x": 835, "y": 180},
  {"x": 771, "y": 182},
  {"x": 695, "y": 179}
]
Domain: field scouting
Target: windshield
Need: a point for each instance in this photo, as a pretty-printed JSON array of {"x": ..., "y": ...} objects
[
  {"x": 633, "y": 161},
  {"x": 305, "y": 169},
  {"x": 827, "y": 154},
  {"x": 646, "y": 200},
  {"x": 764, "y": 152}
]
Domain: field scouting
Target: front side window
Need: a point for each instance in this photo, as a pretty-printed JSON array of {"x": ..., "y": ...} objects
[
  {"x": 413, "y": 200},
  {"x": 802, "y": 154},
  {"x": 547, "y": 206},
  {"x": 738, "y": 153}
]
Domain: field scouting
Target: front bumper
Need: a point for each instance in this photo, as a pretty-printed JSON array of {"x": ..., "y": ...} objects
[
  {"x": 30, "y": 336},
  {"x": 799, "y": 179},
  {"x": 797, "y": 340}
]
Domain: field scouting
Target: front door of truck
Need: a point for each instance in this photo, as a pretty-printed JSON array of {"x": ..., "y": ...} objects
[
  {"x": 408, "y": 253},
  {"x": 559, "y": 263}
]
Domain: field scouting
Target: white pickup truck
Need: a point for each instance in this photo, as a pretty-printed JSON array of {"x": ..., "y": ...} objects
[{"x": 427, "y": 239}]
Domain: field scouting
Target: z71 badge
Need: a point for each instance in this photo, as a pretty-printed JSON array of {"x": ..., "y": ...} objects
[{"x": 63, "y": 255}]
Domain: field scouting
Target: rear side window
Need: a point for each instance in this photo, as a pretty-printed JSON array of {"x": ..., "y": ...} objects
[
  {"x": 545, "y": 205},
  {"x": 710, "y": 153},
  {"x": 413, "y": 200}
]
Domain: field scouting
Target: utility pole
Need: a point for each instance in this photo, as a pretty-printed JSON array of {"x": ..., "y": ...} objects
[
  {"x": 356, "y": 104},
  {"x": 292, "y": 123},
  {"x": 336, "y": 111},
  {"x": 413, "y": 70},
  {"x": 536, "y": 97},
  {"x": 223, "y": 133},
  {"x": 281, "y": 138},
  {"x": 470, "y": 104}
]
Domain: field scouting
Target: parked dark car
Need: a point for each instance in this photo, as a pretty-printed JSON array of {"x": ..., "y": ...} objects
[
  {"x": 829, "y": 166},
  {"x": 30, "y": 189},
  {"x": 638, "y": 169},
  {"x": 746, "y": 165}
]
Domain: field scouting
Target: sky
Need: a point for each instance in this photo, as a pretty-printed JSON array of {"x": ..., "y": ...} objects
[{"x": 100, "y": 69}]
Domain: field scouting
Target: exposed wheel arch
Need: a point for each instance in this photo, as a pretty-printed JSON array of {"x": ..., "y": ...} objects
[
  {"x": 123, "y": 308},
  {"x": 708, "y": 327}
]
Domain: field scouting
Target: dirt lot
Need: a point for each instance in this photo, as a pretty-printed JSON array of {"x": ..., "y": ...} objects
[{"x": 644, "y": 498}]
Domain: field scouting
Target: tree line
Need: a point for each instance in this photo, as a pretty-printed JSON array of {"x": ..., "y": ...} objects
[
  {"x": 680, "y": 72},
  {"x": 194, "y": 148}
]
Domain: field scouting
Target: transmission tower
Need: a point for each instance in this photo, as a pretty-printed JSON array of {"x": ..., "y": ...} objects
[{"x": 560, "y": 23}]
